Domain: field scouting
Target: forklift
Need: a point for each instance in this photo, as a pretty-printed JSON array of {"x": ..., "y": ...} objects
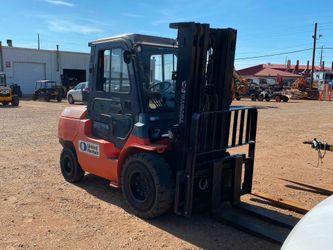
[
  {"x": 159, "y": 126},
  {"x": 7, "y": 95}
]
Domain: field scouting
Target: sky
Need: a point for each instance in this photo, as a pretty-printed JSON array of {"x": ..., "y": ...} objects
[{"x": 264, "y": 27}]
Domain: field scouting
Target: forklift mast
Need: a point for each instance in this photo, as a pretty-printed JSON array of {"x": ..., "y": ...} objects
[
  {"x": 204, "y": 73},
  {"x": 207, "y": 127},
  {"x": 205, "y": 119}
]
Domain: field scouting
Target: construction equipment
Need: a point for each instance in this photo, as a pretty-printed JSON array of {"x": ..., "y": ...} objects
[
  {"x": 47, "y": 90},
  {"x": 300, "y": 90},
  {"x": 159, "y": 125},
  {"x": 6, "y": 93},
  {"x": 240, "y": 86}
]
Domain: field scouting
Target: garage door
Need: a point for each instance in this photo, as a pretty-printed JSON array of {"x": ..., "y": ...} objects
[{"x": 26, "y": 74}]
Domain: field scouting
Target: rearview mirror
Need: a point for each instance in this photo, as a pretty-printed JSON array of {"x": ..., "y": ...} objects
[{"x": 127, "y": 56}]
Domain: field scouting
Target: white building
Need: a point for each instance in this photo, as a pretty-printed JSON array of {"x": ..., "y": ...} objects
[{"x": 25, "y": 66}]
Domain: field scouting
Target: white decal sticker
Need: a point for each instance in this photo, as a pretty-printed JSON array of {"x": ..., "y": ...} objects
[{"x": 89, "y": 148}]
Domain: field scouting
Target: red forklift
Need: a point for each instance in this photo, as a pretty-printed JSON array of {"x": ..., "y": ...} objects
[{"x": 159, "y": 125}]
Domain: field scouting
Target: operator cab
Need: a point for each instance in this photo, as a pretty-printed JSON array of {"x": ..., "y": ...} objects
[{"x": 132, "y": 87}]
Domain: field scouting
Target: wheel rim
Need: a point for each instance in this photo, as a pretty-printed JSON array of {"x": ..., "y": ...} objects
[
  {"x": 68, "y": 165},
  {"x": 139, "y": 187}
]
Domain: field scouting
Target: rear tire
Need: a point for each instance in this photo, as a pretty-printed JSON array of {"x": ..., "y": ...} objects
[
  {"x": 278, "y": 98},
  {"x": 69, "y": 165},
  {"x": 15, "y": 101},
  {"x": 47, "y": 98},
  {"x": 147, "y": 185},
  {"x": 59, "y": 97},
  {"x": 253, "y": 98},
  {"x": 285, "y": 99},
  {"x": 260, "y": 98},
  {"x": 71, "y": 99},
  {"x": 34, "y": 97}
]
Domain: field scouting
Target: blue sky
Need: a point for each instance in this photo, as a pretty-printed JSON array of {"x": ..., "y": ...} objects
[{"x": 264, "y": 26}]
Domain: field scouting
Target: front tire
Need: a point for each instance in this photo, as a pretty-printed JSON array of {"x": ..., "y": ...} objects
[
  {"x": 69, "y": 165},
  {"x": 15, "y": 101},
  {"x": 147, "y": 184},
  {"x": 59, "y": 97},
  {"x": 71, "y": 99}
]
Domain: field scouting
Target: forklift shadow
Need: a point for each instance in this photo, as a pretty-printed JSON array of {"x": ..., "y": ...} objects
[
  {"x": 99, "y": 188},
  {"x": 200, "y": 230}
]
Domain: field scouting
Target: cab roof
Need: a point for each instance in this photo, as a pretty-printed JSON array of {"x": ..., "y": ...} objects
[{"x": 139, "y": 39}]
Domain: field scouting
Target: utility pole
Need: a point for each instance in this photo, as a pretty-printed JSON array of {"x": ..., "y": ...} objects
[
  {"x": 1, "y": 58},
  {"x": 321, "y": 57},
  {"x": 58, "y": 64},
  {"x": 313, "y": 54},
  {"x": 38, "y": 42}
]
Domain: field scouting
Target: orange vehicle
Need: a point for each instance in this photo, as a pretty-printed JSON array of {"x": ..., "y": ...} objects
[{"x": 158, "y": 125}]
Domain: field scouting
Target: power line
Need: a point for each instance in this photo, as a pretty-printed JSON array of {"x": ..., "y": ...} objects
[
  {"x": 282, "y": 53},
  {"x": 276, "y": 54}
]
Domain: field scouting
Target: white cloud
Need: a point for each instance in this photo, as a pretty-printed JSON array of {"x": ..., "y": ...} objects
[
  {"x": 68, "y": 26},
  {"x": 60, "y": 2}
]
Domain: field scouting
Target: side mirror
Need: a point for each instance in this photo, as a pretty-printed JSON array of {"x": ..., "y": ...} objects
[{"x": 127, "y": 56}]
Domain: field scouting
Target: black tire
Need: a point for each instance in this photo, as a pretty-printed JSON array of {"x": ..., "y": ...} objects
[
  {"x": 147, "y": 185},
  {"x": 15, "y": 101},
  {"x": 69, "y": 165},
  {"x": 71, "y": 99},
  {"x": 267, "y": 99},
  {"x": 253, "y": 98},
  {"x": 278, "y": 98},
  {"x": 260, "y": 98},
  {"x": 285, "y": 99},
  {"x": 5, "y": 103},
  {"x": 34, "y": 97},
  {"x": 59, "y": 97},
  {"x": 47, "y": 98}
]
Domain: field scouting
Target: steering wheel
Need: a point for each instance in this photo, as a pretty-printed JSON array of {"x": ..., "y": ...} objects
[{"x": 165, "y": 88}]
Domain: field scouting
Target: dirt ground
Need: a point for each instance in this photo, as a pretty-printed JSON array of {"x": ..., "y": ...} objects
[{"x": 39, "y": 210}]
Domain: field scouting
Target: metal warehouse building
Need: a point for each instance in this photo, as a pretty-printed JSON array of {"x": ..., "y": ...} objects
[{"x": 25, "y": 66}]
